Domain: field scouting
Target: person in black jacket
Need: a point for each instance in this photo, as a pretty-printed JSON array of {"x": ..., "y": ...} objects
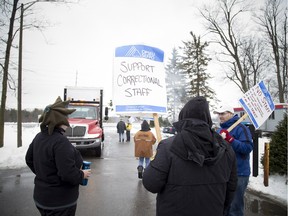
[
  {"x": 56, "y": 164},
  {"x": 121, "y": 127},
  {"x": 193, "y": 172}
]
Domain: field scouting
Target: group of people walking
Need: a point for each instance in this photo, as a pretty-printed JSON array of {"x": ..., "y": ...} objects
[
  {"x": 121, "y": 128},
  {"x": 199, "y": 171}
]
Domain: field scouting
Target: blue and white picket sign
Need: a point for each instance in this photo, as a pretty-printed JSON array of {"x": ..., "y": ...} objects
[
  {"x": 139, "y": 80},
  {"x": 258, "y": 104}
]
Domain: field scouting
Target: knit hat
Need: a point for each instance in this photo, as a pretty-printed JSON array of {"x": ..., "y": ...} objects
[
  {"x": 55, "y": 115},
  {"x": 145, "y": 126}
]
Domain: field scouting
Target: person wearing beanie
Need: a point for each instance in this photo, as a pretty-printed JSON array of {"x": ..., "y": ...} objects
[
  {"x": 193, "y": 172},
  {"x": 240, "y": 139},
  {"x": 56, "y": 163},
  {"x": 144, "y": 139}
]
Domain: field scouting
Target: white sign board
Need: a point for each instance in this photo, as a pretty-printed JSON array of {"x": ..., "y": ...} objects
[
  {"x": 258, "y": 104},
  {"x": 139, "y": 80}
]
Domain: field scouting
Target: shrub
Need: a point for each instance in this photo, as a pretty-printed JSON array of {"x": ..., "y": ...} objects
[{"x": 278, "y": 149}]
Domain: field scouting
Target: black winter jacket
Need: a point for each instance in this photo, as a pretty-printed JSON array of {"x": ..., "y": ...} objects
[
  {"x": 56, "y": 164},
  {"x": 193, "y": 173},
  {"x": 121, "y": 127}
]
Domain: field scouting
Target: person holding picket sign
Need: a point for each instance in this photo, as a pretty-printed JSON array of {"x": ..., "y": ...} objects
[
  {"x": 144, "y": 139},
  {"x": 240, "y": 139}
]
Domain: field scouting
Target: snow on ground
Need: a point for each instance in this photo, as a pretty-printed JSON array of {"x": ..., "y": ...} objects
[{"x": 12, "y": 157}]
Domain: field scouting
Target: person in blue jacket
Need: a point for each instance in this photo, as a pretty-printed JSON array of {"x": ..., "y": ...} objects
[
  {"x": 240, "y": 139},
  {"x": 193, "y": 172}
]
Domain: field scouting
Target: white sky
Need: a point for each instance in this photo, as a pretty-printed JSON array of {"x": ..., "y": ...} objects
[{"x": 84, "y": 38}]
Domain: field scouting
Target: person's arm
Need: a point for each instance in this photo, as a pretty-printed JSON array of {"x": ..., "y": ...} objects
[
  {"x": 243, "y": 140},
  {"x": 153, "y": 139},
  {"x": 136, "y": 137},
  {"x": 240, "y": 139},
  {"x": 156, "y": 174},
  {"x": 29, "y": 158},
  {"x": 66, "y": 162}
]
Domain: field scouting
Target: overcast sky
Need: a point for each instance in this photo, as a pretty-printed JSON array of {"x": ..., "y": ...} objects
[{"x": 79, "y": 48}]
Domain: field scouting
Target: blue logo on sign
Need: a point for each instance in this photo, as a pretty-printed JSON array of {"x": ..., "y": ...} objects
[
  {"x": 133, "y": 52},
  {"x": 140, "y": 51}
]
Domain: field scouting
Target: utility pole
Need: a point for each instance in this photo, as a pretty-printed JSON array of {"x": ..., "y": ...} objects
[{"x": 19, "y": 111}]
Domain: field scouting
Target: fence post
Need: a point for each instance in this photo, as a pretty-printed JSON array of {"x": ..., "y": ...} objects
[{"x": 266, "y": 164}]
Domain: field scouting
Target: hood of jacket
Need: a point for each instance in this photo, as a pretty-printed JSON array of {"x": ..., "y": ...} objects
[
  {"x": 195, "y": 140},
  {"x": 145, "y": 126}
]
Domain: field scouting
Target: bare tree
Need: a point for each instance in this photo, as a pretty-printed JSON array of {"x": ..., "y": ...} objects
[
  {"x": 253, "y": 61},
  {"x": 5, "y": 69},
  {"x": 10, "y": 8},
  {"x": 274, "y": 24},
  {"x": 224, "y": 22}
]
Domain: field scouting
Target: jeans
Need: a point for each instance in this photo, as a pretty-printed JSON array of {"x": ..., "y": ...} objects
[
  {"x": 121, "y": 137},
  {"x": 237, "y": 206},
  {"x": 141, "y": 161}
]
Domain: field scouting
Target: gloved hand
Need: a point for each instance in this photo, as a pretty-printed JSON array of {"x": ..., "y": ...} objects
[{"x": 226, "y": 135}]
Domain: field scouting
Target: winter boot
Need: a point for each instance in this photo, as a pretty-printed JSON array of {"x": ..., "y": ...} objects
[{"x": 140, "y": 171}]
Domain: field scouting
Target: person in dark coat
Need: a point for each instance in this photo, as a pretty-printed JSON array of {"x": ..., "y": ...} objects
[
  {"x": 56, "y": 164},
  {"x": 121, "y": 127},
  {"x": 193, "y": 172}
]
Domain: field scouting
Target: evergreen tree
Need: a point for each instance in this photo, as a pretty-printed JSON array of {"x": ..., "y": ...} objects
[
  {"x": 174, "y": 86},
  {"x": 278, "y": 149},
  {"x": 194, "y": 63}
]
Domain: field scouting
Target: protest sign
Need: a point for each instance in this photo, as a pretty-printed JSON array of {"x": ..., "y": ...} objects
[
  {"x": 258, "y": 104},
  {"x": 139, "y": 80}
]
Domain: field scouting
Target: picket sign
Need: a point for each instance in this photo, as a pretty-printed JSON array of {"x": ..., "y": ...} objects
[
  {"x": 139, "y": 87},
  {"x": 157, "y": 127},
  {"x": 258, "y": 105}
]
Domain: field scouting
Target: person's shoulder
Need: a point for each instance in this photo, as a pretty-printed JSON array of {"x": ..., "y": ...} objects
[
  {"x": 62, "y": 138},
  {"x": 241, "y": 126},
  {"x": 224, "y": 144},
  {"x": 167, "y": 142},
  {"x": 138, "y": 133}
]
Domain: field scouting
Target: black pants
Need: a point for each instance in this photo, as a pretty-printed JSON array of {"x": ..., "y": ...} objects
[
  {"x": 128, "y": 136},
  {"x": 70, "y": 211}
]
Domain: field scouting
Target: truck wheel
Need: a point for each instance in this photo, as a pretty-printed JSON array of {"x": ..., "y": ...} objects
[{"x": 98, "y": 151}]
